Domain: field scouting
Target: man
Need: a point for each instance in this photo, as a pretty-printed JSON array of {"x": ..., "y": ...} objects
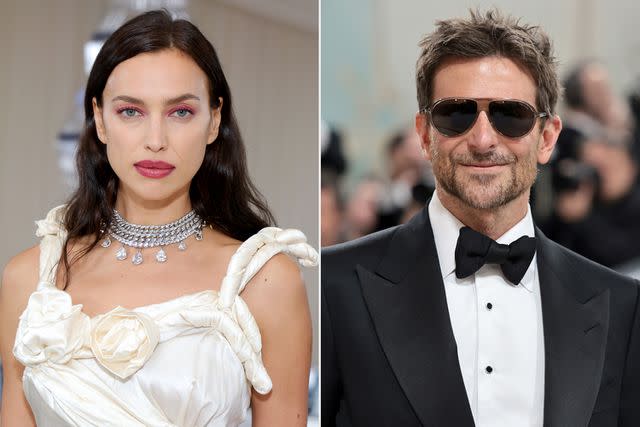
[{"x": 468, "y": 315}]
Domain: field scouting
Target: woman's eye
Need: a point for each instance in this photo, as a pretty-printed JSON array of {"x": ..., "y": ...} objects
[
  {"x": 182, "y": 113},
  {"x": 129, "y": 112}
]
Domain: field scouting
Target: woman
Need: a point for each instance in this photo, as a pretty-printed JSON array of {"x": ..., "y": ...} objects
[{"x": 166, "y": 223}]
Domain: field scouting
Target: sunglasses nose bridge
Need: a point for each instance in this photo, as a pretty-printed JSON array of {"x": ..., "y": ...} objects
[
  {"x": 482, "y": 113},
  {"x": 483, "y": 135}
]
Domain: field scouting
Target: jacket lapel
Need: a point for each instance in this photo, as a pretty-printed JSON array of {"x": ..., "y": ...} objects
[
  {"x": 575, "y": 315},
  {"x": 407, "y": 303}
]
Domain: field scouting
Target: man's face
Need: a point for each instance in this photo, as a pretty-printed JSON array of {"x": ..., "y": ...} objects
[{"x": 482, "y": 168}]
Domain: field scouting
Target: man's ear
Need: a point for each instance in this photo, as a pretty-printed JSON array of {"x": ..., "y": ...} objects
[
  {"x": 548, "y": 138},
  {"x": 97, "y": 117},
  {"x": 214, "y": 126},
  {"x": 424, "y": 132}
]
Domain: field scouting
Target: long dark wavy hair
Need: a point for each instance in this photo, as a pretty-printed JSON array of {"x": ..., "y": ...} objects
[{"x": 221, "y": 191}]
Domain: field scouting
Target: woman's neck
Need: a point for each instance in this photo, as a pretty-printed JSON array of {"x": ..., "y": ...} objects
[{"x": 152, "y": 212}]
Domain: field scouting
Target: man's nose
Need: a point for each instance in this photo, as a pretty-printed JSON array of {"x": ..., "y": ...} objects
[{"x": 482, "y": 136}]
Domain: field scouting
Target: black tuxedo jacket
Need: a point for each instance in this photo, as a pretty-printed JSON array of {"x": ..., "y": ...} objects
[{"x": 389, "y": 357}]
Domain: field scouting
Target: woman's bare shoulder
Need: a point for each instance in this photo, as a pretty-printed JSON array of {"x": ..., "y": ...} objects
[
  {"x": 277, "y": 288},
  {"x": 278, "y": 284},
  {"x": 19, "y": 280},
  {"x": 20, "y": 275},
  {"x": 280, "y": 271}
]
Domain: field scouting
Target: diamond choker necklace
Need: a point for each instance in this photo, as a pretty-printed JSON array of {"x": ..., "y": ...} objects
[{"x": 151, "y": 236}]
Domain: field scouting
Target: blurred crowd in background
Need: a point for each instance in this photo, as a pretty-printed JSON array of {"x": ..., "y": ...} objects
[{"x": 587, "y": 198}]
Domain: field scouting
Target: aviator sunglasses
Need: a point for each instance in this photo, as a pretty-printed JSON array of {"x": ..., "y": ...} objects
[{"x": 509, "y": 117}]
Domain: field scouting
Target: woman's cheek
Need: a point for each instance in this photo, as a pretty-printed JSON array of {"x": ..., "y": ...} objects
[{"x": 196, "y": 159}]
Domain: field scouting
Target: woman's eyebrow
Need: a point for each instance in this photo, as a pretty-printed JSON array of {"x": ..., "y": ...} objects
[
  {"x": 132, "y": 100},
  {"x": 128, "y": 99},
  {"x": 181, "y": 98}
]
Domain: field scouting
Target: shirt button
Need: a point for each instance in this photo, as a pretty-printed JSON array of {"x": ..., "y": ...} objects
[
  {"x": 488, "y": 369},
  {"x": 489, "y": 306}
]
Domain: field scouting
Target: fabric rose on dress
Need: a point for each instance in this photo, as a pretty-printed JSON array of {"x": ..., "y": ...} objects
[
  {"x": 51, "y": 328},
  {"x": 123, "y": 340}
]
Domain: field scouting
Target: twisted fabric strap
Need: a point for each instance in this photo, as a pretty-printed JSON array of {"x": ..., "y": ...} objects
[
  {"x": 254, "y": 253},
  {"x": 53, "y": 235}
]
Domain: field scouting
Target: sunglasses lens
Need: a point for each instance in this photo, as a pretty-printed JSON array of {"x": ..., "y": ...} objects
[
  {"x": 454, "y": 117},
  {"x": 512, "y": 118}
]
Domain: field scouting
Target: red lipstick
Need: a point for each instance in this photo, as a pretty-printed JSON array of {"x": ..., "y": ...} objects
[{"x": 154, "y": 168}]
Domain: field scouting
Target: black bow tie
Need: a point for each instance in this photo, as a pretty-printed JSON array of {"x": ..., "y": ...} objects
[{"x": 474, "y": 250}]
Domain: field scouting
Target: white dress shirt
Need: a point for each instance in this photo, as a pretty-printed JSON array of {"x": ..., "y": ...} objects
[{"x": 497, "y": 328}]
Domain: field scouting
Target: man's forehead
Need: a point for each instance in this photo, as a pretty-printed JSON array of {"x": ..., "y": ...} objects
[{"x": 485, "y": 77}]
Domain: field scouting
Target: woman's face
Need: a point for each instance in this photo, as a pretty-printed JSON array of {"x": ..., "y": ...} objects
[{"x": 156, "y": 122}]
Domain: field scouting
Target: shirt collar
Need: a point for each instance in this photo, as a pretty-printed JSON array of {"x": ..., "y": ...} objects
[{"x": 446, "y": 229}]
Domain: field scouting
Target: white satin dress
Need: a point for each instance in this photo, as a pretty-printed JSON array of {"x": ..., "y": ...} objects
[{"x": 187, "y": 362}]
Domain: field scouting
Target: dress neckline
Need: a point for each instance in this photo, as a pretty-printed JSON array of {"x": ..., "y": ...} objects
[
  {"x": 143, "y": 308},
  {"x": 52, "y": 331},
  {"x": 247, "y": 260}
]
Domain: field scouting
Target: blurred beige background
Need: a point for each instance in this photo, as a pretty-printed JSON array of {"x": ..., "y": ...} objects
[{"x": 268, "y": 50}]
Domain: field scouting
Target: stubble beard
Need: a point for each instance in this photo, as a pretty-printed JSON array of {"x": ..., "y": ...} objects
[{"x": 483, "y": 191}]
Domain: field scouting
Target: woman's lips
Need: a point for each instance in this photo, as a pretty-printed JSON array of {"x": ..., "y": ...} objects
[{"x": 154, "y": 168}]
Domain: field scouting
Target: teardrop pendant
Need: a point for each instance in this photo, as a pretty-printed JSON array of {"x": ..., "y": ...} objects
[
  {"x": 137, "y": 258},
  {"x": 134, "y": 238},
  {"x": 161, "y": 255},
  {"x": 121, "y": 254}
]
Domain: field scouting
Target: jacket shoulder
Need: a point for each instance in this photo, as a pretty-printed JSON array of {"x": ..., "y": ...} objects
[
  {"x": 590, "y": 271},
  {"x": 367, "y": 251}
]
